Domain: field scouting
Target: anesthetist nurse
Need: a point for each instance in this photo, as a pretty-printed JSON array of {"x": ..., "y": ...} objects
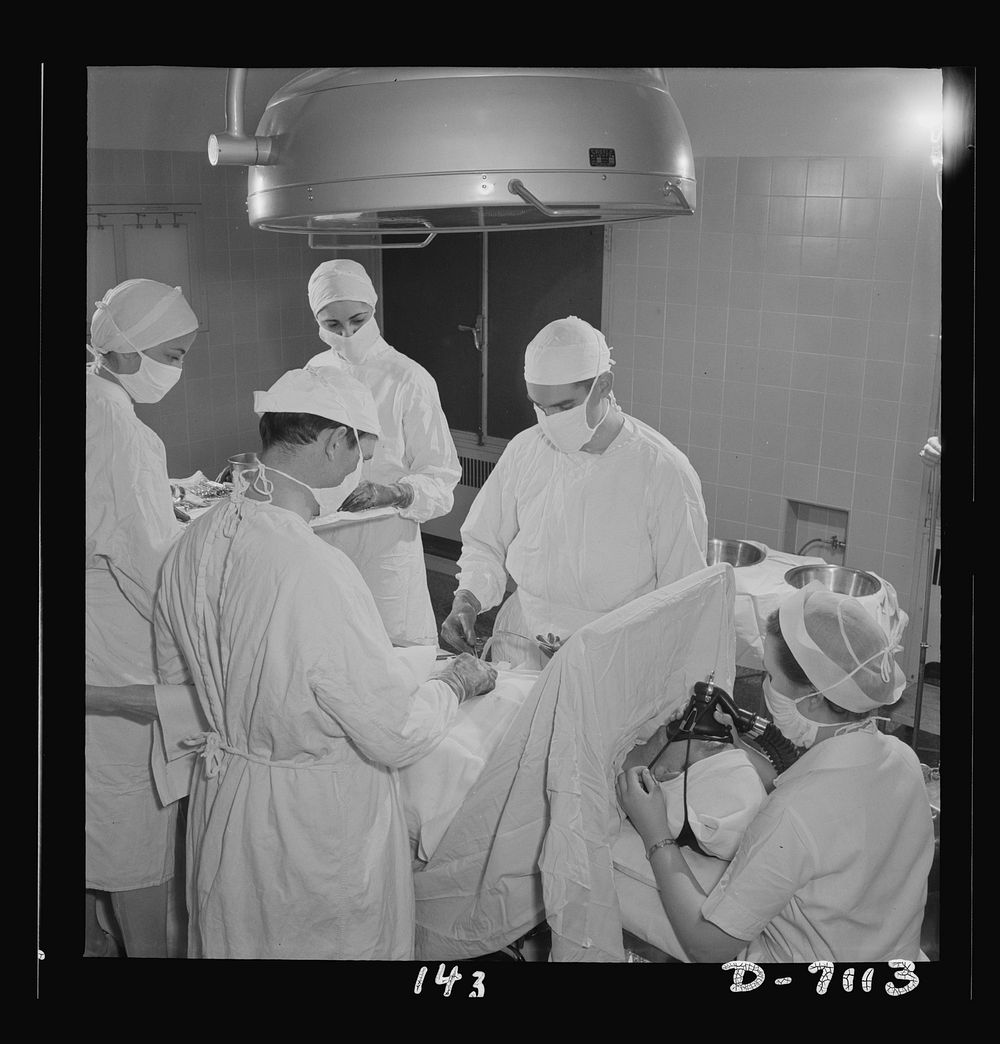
[
  {"x": 415, "y": 467},
  {"x": 140, "y": 334},
  {"x": 586, "y": 511}
]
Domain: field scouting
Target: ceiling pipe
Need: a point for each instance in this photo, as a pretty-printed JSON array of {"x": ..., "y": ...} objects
[{"x": 235, "y": 147}]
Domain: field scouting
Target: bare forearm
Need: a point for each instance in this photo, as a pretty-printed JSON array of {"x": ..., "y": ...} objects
[
  {"x": 762, "y": 764},
  {"x": 130, "y": 701},
  {"x": 682, "y": 898}
]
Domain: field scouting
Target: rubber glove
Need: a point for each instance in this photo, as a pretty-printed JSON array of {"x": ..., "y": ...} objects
[
  {"x": 459, "y": 628},
  {"x": 468, "y": 676},
  {"x": 550, "y": 644},
  {"x": 374, "y": 495},
  {"x": 931, "y": 453}
]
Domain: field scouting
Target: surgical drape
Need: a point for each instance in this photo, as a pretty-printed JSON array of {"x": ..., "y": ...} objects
[{"x": 533, "y": 838}]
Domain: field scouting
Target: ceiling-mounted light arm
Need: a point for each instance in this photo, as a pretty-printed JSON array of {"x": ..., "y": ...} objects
[
  {"x": 314, "y": 245},
  {"x": 408, "y": 230},
  {"x": 517, "y": 188},
  {"x": 236, "y": 147}
]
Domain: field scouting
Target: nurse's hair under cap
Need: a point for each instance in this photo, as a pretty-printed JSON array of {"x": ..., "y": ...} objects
[
  {"x": 139, "y": 314},
  {"x": 566, "y": 351},
  {"x": 842, "y": 648},
  {"x": 340, "y": 280},
  {"x": 324, "y": 393}
]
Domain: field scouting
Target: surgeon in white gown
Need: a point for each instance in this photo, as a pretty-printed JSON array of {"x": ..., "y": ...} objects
[
  {"x": 140, "y": 334},
  {"x": 415, "y": 466},
  {"x": 297, "y": 843},
  {"x": 586, "y": 511}
]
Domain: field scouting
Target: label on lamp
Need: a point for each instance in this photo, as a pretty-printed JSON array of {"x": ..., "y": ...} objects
[{"x": 602, "y": 157}]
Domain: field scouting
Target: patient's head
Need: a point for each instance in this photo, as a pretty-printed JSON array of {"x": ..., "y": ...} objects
[{"x": 672, "y": 761}]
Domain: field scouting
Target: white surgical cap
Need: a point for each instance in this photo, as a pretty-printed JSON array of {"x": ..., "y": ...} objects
[
  {"x": 566, "y": 351},
  {"x": 140, "y": 314},
  {"x": 327, "y": 393},
  {"x": 842, "y": 648},
  {"x": 340, "y": 280}
]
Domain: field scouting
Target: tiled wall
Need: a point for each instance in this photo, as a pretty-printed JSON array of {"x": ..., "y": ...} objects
[
  {"x": 254, "y": 284},
  {"x": 785, "y": 338}
]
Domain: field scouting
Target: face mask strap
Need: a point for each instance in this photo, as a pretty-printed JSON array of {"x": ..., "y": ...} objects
[{"x": 97, "y": 363}]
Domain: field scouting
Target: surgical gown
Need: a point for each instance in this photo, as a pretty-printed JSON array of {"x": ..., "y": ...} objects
[
  {"x": 580, "y": 533},
  {"x": 130, "y": 526},
  {"x": 297, "y": 843},
  {"x": 416, "y": 449}
]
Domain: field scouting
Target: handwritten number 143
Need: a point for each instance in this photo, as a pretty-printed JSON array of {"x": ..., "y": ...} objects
[{"x": 448, "y": 981}]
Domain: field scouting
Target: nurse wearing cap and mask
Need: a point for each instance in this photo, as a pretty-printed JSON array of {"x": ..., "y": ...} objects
[
  {"x": 586, "y": 511},
  {"x": 140, "y": 334},
  {"x": 415, "y": 466},
  {"x": 297, "y": 841},
  {"x": 834, "y": 866}
]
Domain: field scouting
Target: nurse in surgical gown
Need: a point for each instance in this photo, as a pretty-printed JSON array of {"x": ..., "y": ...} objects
[
  {"x": 296, "y": 837},
  {"x": 139, "y": 336},
  {"x": 415, "y": 467}
]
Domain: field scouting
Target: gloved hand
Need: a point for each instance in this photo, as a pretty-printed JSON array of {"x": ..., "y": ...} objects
[
  {"x": 374, "y": 495},
  {"x": 459, "y": 628},
  {"x": 468, "y": 676},
  {"x": 931, "y": 453},
  {"x": 549, "y": 644}
]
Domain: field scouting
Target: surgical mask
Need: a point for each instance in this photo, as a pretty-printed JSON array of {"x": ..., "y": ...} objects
[
  {"x": 569, "y": 430},
  {"x": 790, "y": 721},
  {"x": 356, "y": 347},
  {"x": 151, "y": 381}
]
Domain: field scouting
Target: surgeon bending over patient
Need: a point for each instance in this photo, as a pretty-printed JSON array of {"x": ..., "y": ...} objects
[
  {"x": 834, "y": 865},
  {"x": 297, "y": 843},
  {"x": 586, "y": 510}
]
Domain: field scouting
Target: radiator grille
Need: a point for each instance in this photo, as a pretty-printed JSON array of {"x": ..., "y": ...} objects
[{"x": 475, "y": 471}]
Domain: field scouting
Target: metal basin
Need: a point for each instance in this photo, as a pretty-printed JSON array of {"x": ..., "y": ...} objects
[
  {"x": 236, "y": 464},
  {"x": 846, "y": 581},
  {"x": 736, "y": 552}
]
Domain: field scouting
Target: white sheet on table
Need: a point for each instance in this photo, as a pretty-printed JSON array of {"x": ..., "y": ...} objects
[
  {"x": 532, "y": 840},
  {"x": 434, "y": 787}
]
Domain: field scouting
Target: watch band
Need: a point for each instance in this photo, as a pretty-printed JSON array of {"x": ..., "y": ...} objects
[{"x": 659, "y": 844}]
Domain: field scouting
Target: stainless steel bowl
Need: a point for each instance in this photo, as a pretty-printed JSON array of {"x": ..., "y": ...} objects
[
  {"x": 239, "y": 462},
  {"x": 736, "y": 552},
  {"x": 846, "y": 581}
]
